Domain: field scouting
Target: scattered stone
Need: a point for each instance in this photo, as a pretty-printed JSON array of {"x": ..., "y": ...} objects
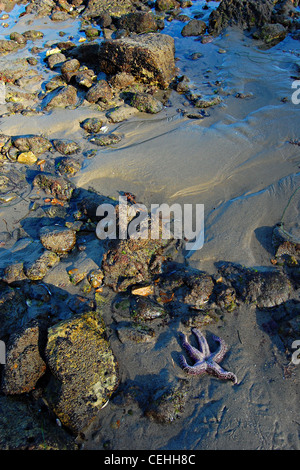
[
  {"x": 272, "y": 34},
  {"x": 200, "y": 103},
  {"x": 85, "y": 78},
  {"x": 62, "y": 98},
  {"x": 56, "y": 60},
  {"x": 84, "y": 370},
  {"x": 66, "y": 147},
  {"x": 146, "y": 103},
  {"x": 95, "y": 278},
  {"x": 27, "y": 157},
  {"x": 58, "y": 187},
  {"x": 101, "y": 91},
  {"x": 60, "y": 16},
  {"x": 13, "y": 273},
  {"x": 38, "y": 269},
  {"x": 148, "y": 57},
  {"x": 166, "y": 5},
  {"x": 194, "y": 28},
  {"x": 138, "y": 22},
  {"x": 58, "y": 239},
  {"x": 106, "y": 139},
  {"x": 32, "y": 35},
  {"x": 56, "y": 82},
  {"x": 8, "y": 46},
  {"x": 145, "y": 309},
  {"x": 167, "y": 405},
  {"x": 68, "y": 166},
  {"x": 113, "y": 8},
  {"x": 121, "y": 113},
  {"x": 24, "y": 365},
  {"x": 92, "y": 33},
  {"x": 122, "y": 80},
  {"x": 92, "y": 125},
  {"x": 35, "y": 144},
  {"x": 135, "y": 333},
  {"x": 17, "y": 37},
  {"x": 200, "y": 289}
]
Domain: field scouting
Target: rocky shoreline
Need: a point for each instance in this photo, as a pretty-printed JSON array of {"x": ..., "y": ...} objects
[{"x": 58, "y": 280}]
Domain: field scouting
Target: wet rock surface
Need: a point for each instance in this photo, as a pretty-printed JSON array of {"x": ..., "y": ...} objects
[{"x": 83, "y": 367}]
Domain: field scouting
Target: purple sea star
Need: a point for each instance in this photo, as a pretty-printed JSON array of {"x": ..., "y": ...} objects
[{"x": 205, "y": 361}]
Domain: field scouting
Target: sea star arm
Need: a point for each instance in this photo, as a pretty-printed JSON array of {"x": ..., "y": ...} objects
[
  {"x": 214, "y": 369},
  {"x": 197, "y": 369},
  {"x": 202, "y": 342},
  {"x": 220, "y": 353},
  {"x": 194, "y": 353}
]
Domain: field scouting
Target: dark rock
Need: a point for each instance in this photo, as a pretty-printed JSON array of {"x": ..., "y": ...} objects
[
  {"x": 24, "y": 364},
  {"x": 101, "y": 91},
  {"x": 122, "y": 80},
  {"x": 23, "y": 427},
  {"x": 58, "y": 187},
  {"x": 92, "y": 125},
  {"x": 165, "y": 5},
  {"x": 8, "y": 46},
  {"x": 135, "y": 332},
  {"x": 115, "y": 8},
  {"x": 194, "y": 28},
  {"x": 85, "y": 78},
  {"x": 58, "y": 239},
  {"x": 138, "y": 22},
  {"x": 83, "y": 367},
  {"x": 71, "y": 65},
  {"x": 66, "y": 147},
  {"x": 68, "y": 166},
  {"x": 17, "y": 37},
  {"x": 200, "y": 288},
  {"x": 167, "y": 405},
  {"x": 272, "y": 34},
  {"x": 106, "y": 139},
  {"x": 14, "y": 272},
  {"x": 40, "y": 8},
  {"x": 148, "y": 57},
  {"x": 56, "y": 60},
  {"x": 145, "y": 309},
  {"x": 38, "y": 269},
  {"x": 146, "y": 103},
  {"x": 32, "y": 35},
  {"x": 62, "y": 98},
  {"x": 263, "y": 289},
  {"x": 12, "y": 310},
  {"x": 56, "y": 82},
  {"x": 245, "y": 14},
  {"x": 36, "y": 144}
]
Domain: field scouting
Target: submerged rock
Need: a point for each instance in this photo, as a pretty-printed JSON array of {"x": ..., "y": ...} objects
[
  {"x": 83, "y": 367},
  {"x": 24, "y": 364},
  {"x": 200, "y": 289},
  {"x": 148, "y": 57}
]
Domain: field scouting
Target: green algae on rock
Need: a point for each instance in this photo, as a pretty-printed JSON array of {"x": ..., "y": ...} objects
[{"x": 83, "y": 367}]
